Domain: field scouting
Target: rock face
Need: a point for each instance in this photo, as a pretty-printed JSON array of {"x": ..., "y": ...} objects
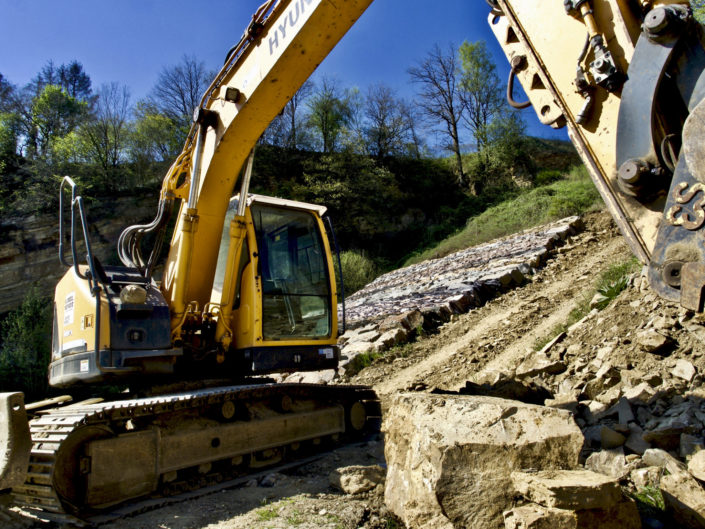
[
  {"x": 447, "y": 452},
  {"x": 29, "y": 246}
]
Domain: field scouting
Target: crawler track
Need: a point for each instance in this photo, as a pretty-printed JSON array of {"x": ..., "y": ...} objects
[{"x": 97, "y": 462}]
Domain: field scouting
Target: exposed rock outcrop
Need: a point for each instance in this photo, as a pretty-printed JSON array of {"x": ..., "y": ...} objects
[
  {"x": 396, "y": 305},
  {"x": 29, "y": 246}
]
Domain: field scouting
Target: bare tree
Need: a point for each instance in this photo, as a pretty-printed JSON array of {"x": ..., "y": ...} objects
[
  {"x": 388, "y": 126},
  {"x": 292, "y": 114},
  {"x": 414, "y": 120},
  {"x": 179, "y": 89},
  {"x": 439, "y": 94}
]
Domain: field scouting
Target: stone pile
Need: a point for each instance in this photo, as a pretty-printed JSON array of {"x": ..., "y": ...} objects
[
  {"x": 396, "y": 305},
  {"x": 570, "y": 499},
  {"x": 636, "y": 391}
]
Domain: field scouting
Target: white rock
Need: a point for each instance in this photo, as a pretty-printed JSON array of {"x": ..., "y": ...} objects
[
  {"x": 356, "y": 479},
  {"x": 568, "y": 489},
  {"x": 696, "y": 465},
  {"x": 684, "y": 369}
]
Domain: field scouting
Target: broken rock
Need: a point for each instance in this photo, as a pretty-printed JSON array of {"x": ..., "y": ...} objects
[
  {"x": 623, "y": 515},
  {"x": 654, "y": 342},
  {"x": 538, "y": 363},
  {"x": 538, "y": 517},
  {"x": 356, "y": 479},
  {"x": 609, "y": 462},
  {"x": 568, "y": 489},
  {"x": 450, "y": 457},
  {"x": 684, "y": 369},
  {"x": 646, "y": 477},
  {"x": 696, "y": 465},
  {"x": 660, "y": 458},
  {"x": 685, "y": 498}
]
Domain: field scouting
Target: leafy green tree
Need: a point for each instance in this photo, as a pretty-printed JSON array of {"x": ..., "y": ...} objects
[
  {"x": 7, "y": 92},
  {"x": 698, "y": 10},
  {"x": 8, "y": 143},
  {"x": 25, "y": 351},
  {"x": 54, "y": 115},
  {"x": 481, "y": 90},
  {"x": 362, "y": 196},
  {"x": 154, "y": 140},
  {"x": 505, "y": 160},
  {"x": 329, "y": 114},
  {"x": 75, "y": 81}
]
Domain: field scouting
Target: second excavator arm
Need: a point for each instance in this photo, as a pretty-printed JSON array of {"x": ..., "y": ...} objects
[{"x": 626, "y": 77}]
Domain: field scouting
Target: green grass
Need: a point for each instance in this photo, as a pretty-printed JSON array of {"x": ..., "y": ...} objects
[
  {"x": 651, "y": 496},
  {"x": 361, "y": 361},
  {"x": 393, "y": 523},
  {"x": 295, "y": 518},
  {"x": 267, "y": 514},
  {"x": 364, "y": 360},
  {"x": 573, "y": 195}
]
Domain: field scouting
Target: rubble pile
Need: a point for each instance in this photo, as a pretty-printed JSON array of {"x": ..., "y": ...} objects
[
  {"x": 570, "y": 499},
  {"x": 632, "y": 376},
  {"x": 392, "y": 308}
]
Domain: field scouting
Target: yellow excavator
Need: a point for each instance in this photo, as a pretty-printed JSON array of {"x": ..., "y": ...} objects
[{"x": 248, "y": 287}]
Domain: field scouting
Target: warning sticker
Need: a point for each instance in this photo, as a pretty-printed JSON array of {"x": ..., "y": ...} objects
[
  {"x": 84, "y": 366},
  {"x": 327, "y": 352},
  {"x": 69, "y": 308}
]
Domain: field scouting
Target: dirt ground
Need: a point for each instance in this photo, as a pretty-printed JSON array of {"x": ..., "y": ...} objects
[{"x": 469, "y": 347}]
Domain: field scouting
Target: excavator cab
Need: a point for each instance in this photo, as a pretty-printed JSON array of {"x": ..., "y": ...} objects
[{"x": 283, "y": 305}]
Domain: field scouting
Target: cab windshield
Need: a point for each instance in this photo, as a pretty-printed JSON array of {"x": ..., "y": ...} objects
[{"x": 296, "y": 300}]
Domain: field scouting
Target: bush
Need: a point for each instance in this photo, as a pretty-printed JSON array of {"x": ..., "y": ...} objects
[
  {"x": 547, "y": 176},
  {"x": 358, "y": 270},
  {"x": 25, "y": 351}
]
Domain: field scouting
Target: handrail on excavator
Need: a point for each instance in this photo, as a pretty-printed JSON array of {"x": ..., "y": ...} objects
[{"x": 76, "y": 201}]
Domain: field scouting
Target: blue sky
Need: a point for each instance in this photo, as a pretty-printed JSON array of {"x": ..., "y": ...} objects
[{"x": 129, "y": 41}]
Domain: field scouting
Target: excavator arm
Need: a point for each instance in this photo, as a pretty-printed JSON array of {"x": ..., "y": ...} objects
[
  {"x": 625, "y": 77},
  {"x": 281, "y": 48}
]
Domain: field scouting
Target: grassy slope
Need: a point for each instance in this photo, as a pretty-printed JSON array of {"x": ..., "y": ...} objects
[{"x": 570, "y": 196}]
